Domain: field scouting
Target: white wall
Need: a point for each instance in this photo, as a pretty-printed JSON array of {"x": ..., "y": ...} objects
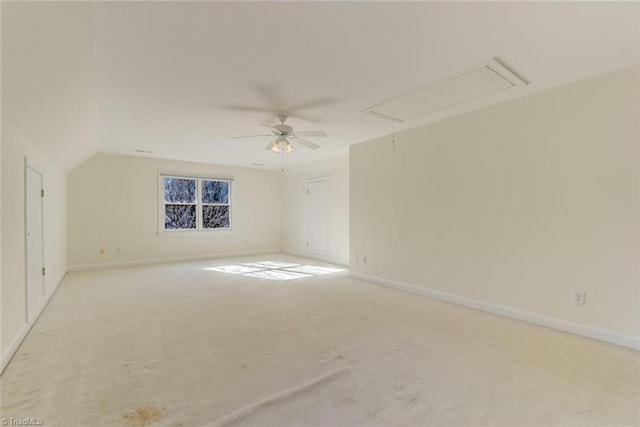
[
  {"x": 14, "y": 149},
  {"x": 113, "y": 204},
  {"x": 47, "y": 116},
  {"x": 294, "y": 213},
  {"x": 48, "y": 77},
  {"x": 2, "y": 350},
  {"x": 514, "y": 206}
]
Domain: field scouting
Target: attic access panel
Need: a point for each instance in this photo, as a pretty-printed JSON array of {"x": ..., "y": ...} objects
[{"x": 479, "y": 82}]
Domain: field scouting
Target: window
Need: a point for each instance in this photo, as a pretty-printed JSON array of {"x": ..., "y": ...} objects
[{"x": 198, "y": 204}]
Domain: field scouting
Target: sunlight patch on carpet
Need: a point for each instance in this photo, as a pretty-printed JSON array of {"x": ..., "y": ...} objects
[
  {"x": 277, "y": 275},
  {"x": 274, "y": 270},
  {"x": 271, "y": 264},
  {"x": 234, "y": 269}
]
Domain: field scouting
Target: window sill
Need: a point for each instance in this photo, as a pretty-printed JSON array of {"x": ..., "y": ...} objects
[{"x": 193, "y": 233}]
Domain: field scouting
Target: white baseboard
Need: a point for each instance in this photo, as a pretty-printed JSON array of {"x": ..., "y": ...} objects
[
  {"x": 55, "y": 288},
  {"x": 24, "y": 331},
  {"x": 135, "y": 263},
  {"x": 562, "y": 325},
  {"x": 13, "y": 347}
]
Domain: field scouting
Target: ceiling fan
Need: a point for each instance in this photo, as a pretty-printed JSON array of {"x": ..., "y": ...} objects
[
  {"x": 284, "y": 135},
  {"x": 275, "y": 104}
]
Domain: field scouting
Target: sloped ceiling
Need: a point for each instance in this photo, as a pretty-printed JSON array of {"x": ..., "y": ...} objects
[
  {"x": 48, "y": 78},
  {"x": 167, "y": 73}
]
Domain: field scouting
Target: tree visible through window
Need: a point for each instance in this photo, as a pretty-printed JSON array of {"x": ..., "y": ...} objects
[
  {"x": 196, "y": 203},
  {"x": 179, "y": 204},
  {"x": 215, "y": 204}
]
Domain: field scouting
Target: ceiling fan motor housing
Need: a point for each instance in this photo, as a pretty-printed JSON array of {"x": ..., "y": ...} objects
[{"x": 282, "y": 130}]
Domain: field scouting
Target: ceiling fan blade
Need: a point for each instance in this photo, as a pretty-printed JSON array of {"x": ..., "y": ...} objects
[
  {"x": 273, "y": 111},
  {"x": 305, "y": 117},
  {"x": 268, "y": 147},
  {"x": 274, "y": 130},
  {"x": 312, "y": 104},
  {"x": 306, "y": 143},
  {"x": 310, "y": 133},
  {"x": 248, "y": 136},
  {"x": 249, "y": 108}
]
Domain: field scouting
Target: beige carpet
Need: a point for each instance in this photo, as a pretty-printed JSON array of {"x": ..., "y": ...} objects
[{"x": 185, "y": 345}]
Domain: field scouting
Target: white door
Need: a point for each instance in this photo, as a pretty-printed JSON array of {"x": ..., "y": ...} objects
[
  {"x": 35, "y": 258},
  {"x": 317, "y": 217}
]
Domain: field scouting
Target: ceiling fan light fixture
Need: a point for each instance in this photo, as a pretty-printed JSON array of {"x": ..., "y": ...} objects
[{"x": 282, "y": 133}]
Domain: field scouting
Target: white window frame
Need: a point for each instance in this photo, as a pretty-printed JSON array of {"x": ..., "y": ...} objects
[{"x": 199, "y": 230}]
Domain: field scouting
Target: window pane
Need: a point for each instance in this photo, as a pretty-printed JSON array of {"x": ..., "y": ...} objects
[
  {"x": 215, "y": 216},
  {"x": 179, "y": 190},
  {"x": 179, "y": 217},
  {"x": 215, "y": 192}
]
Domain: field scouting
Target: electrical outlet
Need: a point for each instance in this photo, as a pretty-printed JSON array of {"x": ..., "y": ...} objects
[{"x": 579, "y": 297}]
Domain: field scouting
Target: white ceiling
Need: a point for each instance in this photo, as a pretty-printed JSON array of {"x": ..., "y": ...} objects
[{"x": 166, "y": 72}]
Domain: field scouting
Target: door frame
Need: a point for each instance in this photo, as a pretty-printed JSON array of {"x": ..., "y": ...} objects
[
  {"x": 39, "y": 169},
  {"x": 324, "y": 178}
]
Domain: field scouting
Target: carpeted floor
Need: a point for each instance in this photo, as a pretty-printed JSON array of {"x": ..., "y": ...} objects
[{"x": 200, "y": 344}]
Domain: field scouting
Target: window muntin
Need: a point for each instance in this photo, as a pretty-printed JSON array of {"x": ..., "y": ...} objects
[{"x": 191, "y": 203}]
